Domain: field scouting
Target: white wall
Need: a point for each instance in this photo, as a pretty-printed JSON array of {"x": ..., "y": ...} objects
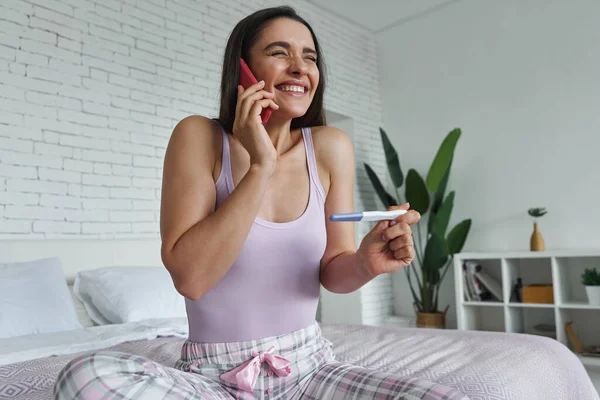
[
  {"x": 522, "y": 80},
  {"x": 91, "y": 89}
]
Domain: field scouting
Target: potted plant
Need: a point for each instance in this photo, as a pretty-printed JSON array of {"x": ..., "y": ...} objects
[
  {"x": 434, "y": 245},
  {"x": 536, "y": 242},
  {"x": 591, "y": 280}
]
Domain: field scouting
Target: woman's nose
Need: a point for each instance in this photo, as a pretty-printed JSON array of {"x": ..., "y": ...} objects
[{"x": 298, "y": 66}]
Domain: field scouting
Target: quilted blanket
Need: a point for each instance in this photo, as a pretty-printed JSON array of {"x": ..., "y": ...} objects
[{"x": 483, "y": 365}]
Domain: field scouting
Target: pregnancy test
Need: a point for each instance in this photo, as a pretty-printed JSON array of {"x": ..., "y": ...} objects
[{"x": 366, "y": 216}]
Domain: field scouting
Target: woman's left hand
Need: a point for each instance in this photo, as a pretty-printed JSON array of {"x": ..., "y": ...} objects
[{"x": 389, "y": 245}]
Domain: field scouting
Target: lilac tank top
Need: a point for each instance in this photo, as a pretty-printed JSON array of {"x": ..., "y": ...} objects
[{"x": 273, "y": 286}]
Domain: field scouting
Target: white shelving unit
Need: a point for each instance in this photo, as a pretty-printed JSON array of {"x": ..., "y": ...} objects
[{"x": 562, "y": 269}]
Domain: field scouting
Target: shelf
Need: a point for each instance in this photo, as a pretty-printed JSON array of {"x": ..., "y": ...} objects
[
  {"x": 530, "y": 305},
  {"x": 579, "y": 306},
  {"x": 536, "y": 270},
  {"x": 485, "y": 318},
  {"x": 530, "y": 254},
  {"x": 484, "y": 303},
  {"x": 585, "y": 322},
  {"x": 589, "y": 361},
  {"x": 569, "y": 271},
  {"x": 527, "y": 319},
  {"x": 574, "y": 306},
  {"x": 561, "y": 269}
]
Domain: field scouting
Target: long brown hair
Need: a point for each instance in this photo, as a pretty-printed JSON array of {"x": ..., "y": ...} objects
[{"x": 245, "y": 34}]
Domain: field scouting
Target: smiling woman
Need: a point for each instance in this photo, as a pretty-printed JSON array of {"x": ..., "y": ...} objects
[
  {"x": 258, "y": 40},
  {"x": 247, "y": 240}
]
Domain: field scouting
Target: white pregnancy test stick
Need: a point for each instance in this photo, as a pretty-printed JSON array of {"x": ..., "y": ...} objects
[{"x": 366, "y": 216}]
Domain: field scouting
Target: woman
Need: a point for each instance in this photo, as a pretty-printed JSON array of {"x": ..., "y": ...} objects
[{"x": 247, "y": 240}]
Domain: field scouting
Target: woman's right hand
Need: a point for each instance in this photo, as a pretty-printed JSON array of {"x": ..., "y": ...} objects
[{"x": 248, "y": 128}]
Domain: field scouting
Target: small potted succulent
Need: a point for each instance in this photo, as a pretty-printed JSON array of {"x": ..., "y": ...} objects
[
  {"x": 536, "y": 242},
  {"x": 591, "y": 280}
]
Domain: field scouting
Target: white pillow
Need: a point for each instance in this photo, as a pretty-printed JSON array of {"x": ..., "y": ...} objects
[
  {"x": 115, "y": 295},
  {"x": 34, "y": 298},
  {"x": 82, "y": 314},
  {"x": 89, "y": 308}
]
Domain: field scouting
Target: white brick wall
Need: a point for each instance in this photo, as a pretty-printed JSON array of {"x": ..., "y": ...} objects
[{"x": 91, "y": 89}]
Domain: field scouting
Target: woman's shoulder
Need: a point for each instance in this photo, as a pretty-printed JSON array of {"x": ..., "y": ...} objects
[
  {"x": 332, "y": 145},
  {"x": 196, "y": 130},
  {"x": 330, "y": 137},
  {"x": 198, "y": 125},
  {"x": 198, "y": 135}
]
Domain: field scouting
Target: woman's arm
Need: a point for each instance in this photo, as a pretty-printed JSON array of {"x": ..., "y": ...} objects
[
  {"x": 340, "y": 272},
  {"x": 199, "y": 245},
  {"x": 387, "y": 247}
]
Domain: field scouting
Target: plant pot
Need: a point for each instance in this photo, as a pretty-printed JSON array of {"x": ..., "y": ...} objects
[
  {"x": 537, "y": 241},
  {"x": 593, "y": 295},
  {"x": 431, "y": 320}
]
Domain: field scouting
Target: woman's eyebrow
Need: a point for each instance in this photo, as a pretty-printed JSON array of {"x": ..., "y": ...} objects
[{"x": 286, "y": 45}]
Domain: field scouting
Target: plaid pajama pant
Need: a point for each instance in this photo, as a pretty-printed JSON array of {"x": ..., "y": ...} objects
[{"x": 315, "y": 374}]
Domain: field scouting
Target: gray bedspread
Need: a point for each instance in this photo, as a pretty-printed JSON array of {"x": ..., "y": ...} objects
[{"x": 483, "y": 365}]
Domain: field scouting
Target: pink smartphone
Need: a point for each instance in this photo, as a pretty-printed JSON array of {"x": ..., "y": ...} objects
[{"x": 247, "y": 79}]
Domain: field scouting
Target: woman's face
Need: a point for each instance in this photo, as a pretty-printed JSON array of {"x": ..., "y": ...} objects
[{"x": 286, "y": 59}]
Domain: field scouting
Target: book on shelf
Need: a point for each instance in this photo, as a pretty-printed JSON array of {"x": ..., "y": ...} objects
[
  {"x": 479, "y": 285},
  {"x": 490, "y": 283}
]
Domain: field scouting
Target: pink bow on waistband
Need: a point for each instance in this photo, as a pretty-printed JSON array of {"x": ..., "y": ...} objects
[{"x": 245, "y": 375}]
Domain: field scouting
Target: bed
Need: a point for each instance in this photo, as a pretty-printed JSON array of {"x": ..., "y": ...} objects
[{"x": 483, "y": 365}]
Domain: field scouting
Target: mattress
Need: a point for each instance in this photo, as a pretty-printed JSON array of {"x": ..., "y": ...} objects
[{"x": 483, "y": 365}]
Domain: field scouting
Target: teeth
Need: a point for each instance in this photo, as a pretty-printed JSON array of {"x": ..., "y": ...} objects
[{"x": 290, "y": 88}]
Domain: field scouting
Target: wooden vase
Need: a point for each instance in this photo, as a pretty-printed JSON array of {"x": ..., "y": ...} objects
[
  {"x": 537, "y": 241},
  {"x": 431, "y": 320}
]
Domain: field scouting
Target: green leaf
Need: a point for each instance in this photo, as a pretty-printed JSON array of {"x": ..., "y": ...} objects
[
  {"x": 434, "y": 277},
  {"x": 416, "y": 192},
  {"x": 430, "y": 222},
  {"x": 441, "y": 192},
  {"x": 442, "y": 218},
  {"x": 386, "y": 198},
  {"x": 590, "y": 277},
  {"x": 442, "y": 160},
  {"x": 537, "y": 212},
  {"x": 458, "y": 235},
  {"x": 436, "y": 253},
  {"x": 391, "y": 158}
]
